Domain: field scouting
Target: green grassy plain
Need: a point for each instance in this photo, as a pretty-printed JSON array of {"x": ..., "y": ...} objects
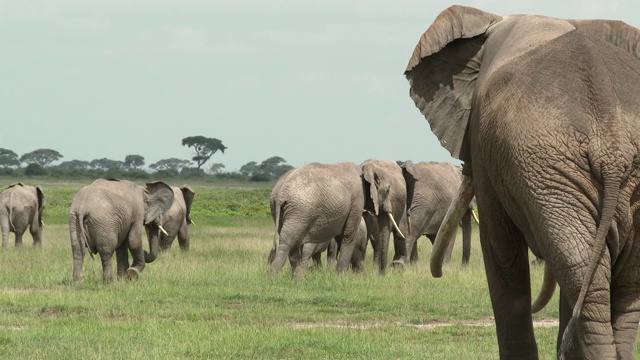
[{"x": 218, "y": 301}]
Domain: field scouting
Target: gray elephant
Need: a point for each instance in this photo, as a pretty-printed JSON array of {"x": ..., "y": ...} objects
[
  {"x": 431, "y": 187},
  {"x": 545, "y": 115},
  {"x": 332, "y": 247},
  {"x": 311, "y": 205},
  {"x": 112, "y": 215},
  {"x": 177, "y": 220},
  {"x": 386, "y": 201},
  {"x": 21, "y": 207}
]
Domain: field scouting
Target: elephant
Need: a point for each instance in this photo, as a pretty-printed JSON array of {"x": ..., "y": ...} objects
[
  {"x": 111, "y": 215},
  {"x": 386, "y": 202},
  {"x": 177, "y": 220},
  {"x": 21, "y": 207},
  {"x": 544, "y": 113},
  {"x": 431, "y": 187},
  {"x": 312, "y": 204},
  {"x": 332, "y": 247}
]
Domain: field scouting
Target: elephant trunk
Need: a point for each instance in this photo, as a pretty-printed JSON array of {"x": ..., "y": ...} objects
[
  {"x": 449, "y": 226},
  {"x": 546, "y": 291},
  {"x": 466, "y": 236},
  {"x": 154, "y": 243}
]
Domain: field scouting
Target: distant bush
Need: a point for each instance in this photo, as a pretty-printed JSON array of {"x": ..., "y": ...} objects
[{"x": 34, "y": 170}]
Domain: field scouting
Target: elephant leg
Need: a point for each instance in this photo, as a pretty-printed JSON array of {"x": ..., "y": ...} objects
[
  {"x": 183, "y": 238},
  {"x": 414, "y": 253},
  {"x": 19, "y": 233},
  {"x": 565, "y": 311},
  {"x": 332, "y": 253},
  {"x": 107, "y": 268},
  {"x": 280, "y": 256},
  {"x": 506, "y": 264},
  {"x": 625, "y": 315},
  {"x": 122, "y": 258},
  {"x": 400, "y": 250},
  {"x": 4, "y": 226},
  {"x": 36, "y": 233}
]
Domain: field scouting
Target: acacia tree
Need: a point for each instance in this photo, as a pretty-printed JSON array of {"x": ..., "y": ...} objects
[
  {"x": 106, "y": 164},
  {"x": 216, "y": 168},
  {"x": 42, "y": 157},
  {"x": 203, "y": 148},
  {"x": 74, "y": 165},
  {"x": 134, "y": 161},
  {"x": 8, "y": 158}
]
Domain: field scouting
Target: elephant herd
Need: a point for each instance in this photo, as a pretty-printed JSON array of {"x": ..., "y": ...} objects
[
  {"x": 106, "y": 216},
  {"x": 316, "y": 204}
]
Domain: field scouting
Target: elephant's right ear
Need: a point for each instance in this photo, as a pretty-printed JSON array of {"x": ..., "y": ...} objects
[
  {"x": 371, "y": 201},
  {"x": 158, "y": 198},
  {"x": 188, "y": 194},
  {"x": 409, "y": 172},
  {"x": 41, "y": 200},
  {"x": 443, "y": 70}
]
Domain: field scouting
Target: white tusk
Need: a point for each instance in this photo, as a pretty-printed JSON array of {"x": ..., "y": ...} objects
[
  {"x": 42, "y": 223},
  {"x": 163, "y": 230},
  {"x": 191, "y": 221},
  {"x": 475, "y": 217},
  {"x": 395, "y": 225}
]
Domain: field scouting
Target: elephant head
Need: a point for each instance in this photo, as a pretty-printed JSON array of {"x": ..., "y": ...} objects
[
  {"x": 542, "y": 111},
  {"x": 386, "y": 199},
  {"x": 158, "y": 198}
]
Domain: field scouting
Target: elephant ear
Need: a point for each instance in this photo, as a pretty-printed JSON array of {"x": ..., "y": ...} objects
[
  {"x": 409, "y": 172},
  {"x": 188, "y": 194},
  {"x": 615, "y": 32},
  {"x": 15, "y": 184},
  {"x": 443, "y": 70},
  {"x": 158, "y": 199},
  {"x": 371, "y": 191},
  {"x": 41, "y": 202}
]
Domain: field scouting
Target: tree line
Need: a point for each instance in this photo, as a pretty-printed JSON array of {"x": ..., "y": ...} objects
[{"x": 41, "y": 162}]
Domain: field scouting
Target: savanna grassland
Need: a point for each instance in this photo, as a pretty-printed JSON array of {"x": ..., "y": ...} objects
[{"x": 219, "y": 301}]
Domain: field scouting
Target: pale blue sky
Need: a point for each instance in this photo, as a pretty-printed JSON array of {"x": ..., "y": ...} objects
[{"x": 304, "y": 80}]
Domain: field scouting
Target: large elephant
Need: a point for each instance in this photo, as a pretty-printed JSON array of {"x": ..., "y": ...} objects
[
  {"x": 545, "y": 115},
  {"x": 177, "y": 220},
  {"x": 431, "y": 187},
  {"x": 112, "y": 215},
  {"x": 311, "y": 205},
  {"x": 386, "y": 202},
  {"x": 21, "y": 207}
]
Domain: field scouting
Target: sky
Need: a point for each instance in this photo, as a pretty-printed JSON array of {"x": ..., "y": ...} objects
[{"x": 304, "y": 80}]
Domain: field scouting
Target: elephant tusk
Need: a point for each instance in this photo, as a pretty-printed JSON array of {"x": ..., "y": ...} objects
[
  {"x": 42, "y": 223},
  {"x": 475, "y": 217},
  {"x": 192, "y": 223},
  {"x": 395, "y": 225},
  {"x": 163, "y": 230}
]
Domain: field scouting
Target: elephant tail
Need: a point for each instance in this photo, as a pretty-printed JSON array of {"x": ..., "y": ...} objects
[
  {"x": 277, "y": 221},
  {"x": 609, "y": 204},
  {"x": 81, "y": 237}
]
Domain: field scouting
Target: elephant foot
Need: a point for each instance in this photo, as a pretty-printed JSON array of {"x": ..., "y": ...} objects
[
  {"x": 132, "y": 273},
  {"x": 397, "y": 264}
]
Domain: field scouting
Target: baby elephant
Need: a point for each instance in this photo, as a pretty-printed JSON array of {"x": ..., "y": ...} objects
[
  {"x": 111, "y": 216},
  {"x": 21, "y": 207}
]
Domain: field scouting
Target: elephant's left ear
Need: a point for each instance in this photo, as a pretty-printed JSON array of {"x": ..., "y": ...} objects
[
  {"x": 615, "y": 32},
  {"x": 158, "y": 198},
  {"x": 443, "y": 70},
  {"x": 188, "y": 194}
]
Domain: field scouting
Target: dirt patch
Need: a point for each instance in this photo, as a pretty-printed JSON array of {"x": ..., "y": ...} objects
[{"x": 542, "y": 323}]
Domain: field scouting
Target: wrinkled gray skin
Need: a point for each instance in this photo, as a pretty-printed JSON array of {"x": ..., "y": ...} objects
[
  {"x": 385, "y": 193},
  {"x": 21, "y": 208},
  {"x": 177, "y": 220},
  {"x": 111, "y": 216},
  {"x": 431, "y": 187},
  {"x": 332, "y": 248},
  {"x": 313, "y": 204},
  {"x": 545, "y": 115}
]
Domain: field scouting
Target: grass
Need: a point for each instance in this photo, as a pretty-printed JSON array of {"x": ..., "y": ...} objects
[{"x": 219, "y": 301}]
